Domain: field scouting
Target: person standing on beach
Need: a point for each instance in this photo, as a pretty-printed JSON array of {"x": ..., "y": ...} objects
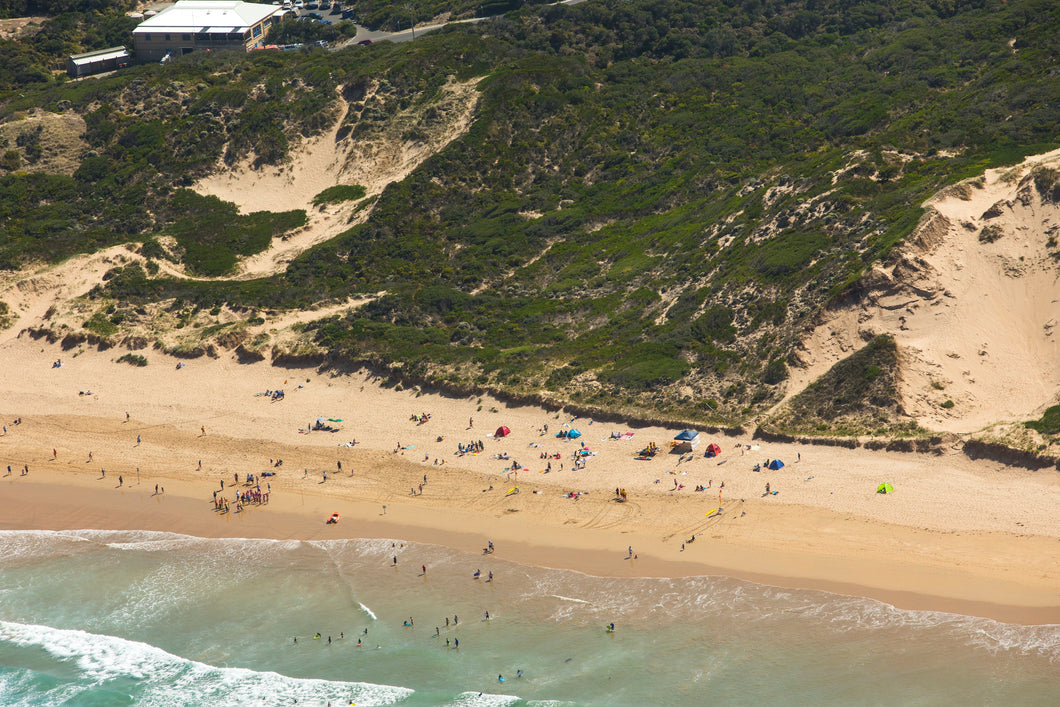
[
  {"x": 470, "y": 422},
  {"x": 55, "y": 454},
  {"x": 120, "y": 480},
  {"x": 424, "y": 567},
  {"x": 138, "y": 439}
]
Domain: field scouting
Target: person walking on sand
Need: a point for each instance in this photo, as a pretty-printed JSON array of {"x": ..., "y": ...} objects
[
  {"x": 203, "y": 430},
  {"x": 767, "y": 488},
  {"x": 470, "y": 422},
  {"x": 138, "y": 439},
  {"x": 424, "y": 568},
  {"x": 55, "y": 454},
  {"x": 120, "y": 480}
]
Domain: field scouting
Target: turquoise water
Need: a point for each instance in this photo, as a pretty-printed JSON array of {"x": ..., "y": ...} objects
[{"x": 114, "y": 618}]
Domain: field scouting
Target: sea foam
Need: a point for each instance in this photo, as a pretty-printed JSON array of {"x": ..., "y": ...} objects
[{"x": 150, "y": 675}]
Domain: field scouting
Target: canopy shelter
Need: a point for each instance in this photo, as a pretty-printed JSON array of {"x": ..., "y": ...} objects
[
  {"x": 713, "y": 450},
  {"x": 686, "y": 441},
  {"x": 775, "y": 464},
  {"x": 502, "y": 431},
  {"x": 885, "y": 488},
  {"x": 574, "y": 434}
]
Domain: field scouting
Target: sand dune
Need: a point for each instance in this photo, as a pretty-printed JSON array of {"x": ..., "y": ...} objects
[{"x": 975, "y": 320}]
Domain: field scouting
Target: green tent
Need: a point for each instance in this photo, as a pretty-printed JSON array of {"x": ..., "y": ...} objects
[{"x": 885, "y": 488}]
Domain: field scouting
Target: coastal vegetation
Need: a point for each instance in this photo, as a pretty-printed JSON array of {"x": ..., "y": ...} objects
[{"x": 650, "y": 206}]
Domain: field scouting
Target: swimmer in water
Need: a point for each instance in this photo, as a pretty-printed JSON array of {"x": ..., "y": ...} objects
[{"x": 500, "y": 678}]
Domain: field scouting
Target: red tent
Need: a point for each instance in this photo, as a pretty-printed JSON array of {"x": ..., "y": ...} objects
[
  {"x": 713, "y": 450},
  {"x": 502, "y": 431}
]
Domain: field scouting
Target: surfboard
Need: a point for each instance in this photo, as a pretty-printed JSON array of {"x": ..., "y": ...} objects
[
  {"x": 714, "y": 512},
  {"x": 512, "y": 491}
]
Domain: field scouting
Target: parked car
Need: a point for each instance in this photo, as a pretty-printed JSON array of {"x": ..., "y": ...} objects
[
  {"x": 322, "y": 43},
  {"x": 325, "y": 5},
  {"x": 313, "y": 16},
  {"x": 347, "y": 14},
  {"x": 365, "y": 42},
  {"x": 311, "y": 5},
  {"x": 299, "y": 4}
]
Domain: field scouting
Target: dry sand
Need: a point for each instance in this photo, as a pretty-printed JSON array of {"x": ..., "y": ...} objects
[
  {"x": 975, "y": 321},
  {"x": 972, "y": 537}
]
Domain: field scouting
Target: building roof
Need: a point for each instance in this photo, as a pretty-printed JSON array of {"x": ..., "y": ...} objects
[
  {"x": 207, "y": 16},
  {"x": 99, "y": 55}
]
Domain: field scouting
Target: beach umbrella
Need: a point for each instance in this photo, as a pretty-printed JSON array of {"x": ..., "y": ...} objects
[{"x": 885, "y": 488}]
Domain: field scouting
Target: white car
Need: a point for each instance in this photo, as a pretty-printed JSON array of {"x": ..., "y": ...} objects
[{"x": 299, "y": 4}]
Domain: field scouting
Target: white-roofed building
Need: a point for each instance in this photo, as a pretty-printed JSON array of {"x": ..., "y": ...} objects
[{"x": 197, "y": 25}]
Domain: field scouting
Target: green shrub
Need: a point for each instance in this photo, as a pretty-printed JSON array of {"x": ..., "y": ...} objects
[
  {"x": 98, "y": 323},
  {"x": 1048, "y": 423},
  {"x": 133, "y": 359},
  {"x": 339, "y": 193}
]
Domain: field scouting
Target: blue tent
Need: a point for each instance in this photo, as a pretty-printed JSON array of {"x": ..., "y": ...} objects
[
  {"x": 574, "y": 434},
  {"x": 686, "y": 435},
  {"x": 776, "y": 464}
]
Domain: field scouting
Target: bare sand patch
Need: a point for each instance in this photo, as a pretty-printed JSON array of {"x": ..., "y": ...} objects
[{"x": 974, "y": 315}]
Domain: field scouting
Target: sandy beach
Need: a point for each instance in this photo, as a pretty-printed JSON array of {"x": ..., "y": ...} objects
[{"x": 971, "y": 537}]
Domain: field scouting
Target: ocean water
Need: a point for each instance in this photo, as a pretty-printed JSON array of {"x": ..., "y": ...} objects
[{"x": 144, "y": 618}]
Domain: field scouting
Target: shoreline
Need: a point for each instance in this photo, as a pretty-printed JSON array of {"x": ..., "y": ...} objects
[
  {"x": 54, "y": 504},
  {"x": 959, "y": 536}
]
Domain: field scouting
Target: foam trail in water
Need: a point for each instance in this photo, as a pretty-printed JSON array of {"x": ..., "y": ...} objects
[
  {"x": 579, "y": 601},
  {"x": 368, "y": 611},
  {"x": 156, "y": 677}
]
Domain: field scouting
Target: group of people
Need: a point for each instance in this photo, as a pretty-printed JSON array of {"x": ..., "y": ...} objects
[{"x": 469, "y": 448}]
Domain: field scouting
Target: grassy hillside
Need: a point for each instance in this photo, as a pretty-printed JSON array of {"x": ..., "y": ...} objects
[{"x": 653, "y": 201}]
